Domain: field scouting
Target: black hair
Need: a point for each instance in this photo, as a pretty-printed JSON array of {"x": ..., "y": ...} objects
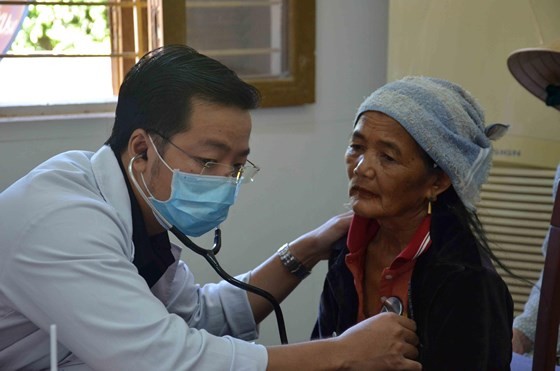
[
  {"x": 156, "y": 94},
  {"x": 449, "y": 201},
  {"x": 468, "y": 219}
]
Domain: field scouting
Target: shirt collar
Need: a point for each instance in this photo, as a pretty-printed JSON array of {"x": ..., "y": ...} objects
[
  {"x": 152, "y": 255},
  {"x": 363, "y": 229}
]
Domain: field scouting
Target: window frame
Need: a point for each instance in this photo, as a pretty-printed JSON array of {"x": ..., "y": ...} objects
[
  {"x": 165, "y": 23},
  {"x": 296, "y": 89}
]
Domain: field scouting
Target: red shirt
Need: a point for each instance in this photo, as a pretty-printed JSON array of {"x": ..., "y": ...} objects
[{"x": 395, "y": 279}]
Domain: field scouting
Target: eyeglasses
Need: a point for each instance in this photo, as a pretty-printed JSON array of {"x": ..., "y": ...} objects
[{"x": 238, "y": 174}]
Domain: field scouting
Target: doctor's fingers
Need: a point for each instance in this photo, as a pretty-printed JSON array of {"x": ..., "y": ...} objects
[
  {"x": 410, "y": 336},
  {"x": 409, "y": 351},
  {"x": 405, "y": 322},
  {"x": 403, "y": 356},
  {"x": 400, "y": 327},
  {"x": 405, "y": 345},
  {"x": 407, "y": 364}
]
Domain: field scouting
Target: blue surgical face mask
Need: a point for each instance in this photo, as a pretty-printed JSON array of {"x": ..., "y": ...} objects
[{"x": 197, "y": 204}]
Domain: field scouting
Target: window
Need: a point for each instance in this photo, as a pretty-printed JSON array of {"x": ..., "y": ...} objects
[
  {"x": 81, "y": 49},
  {"x": 60, "y": 53},
  {"x": 270, "y": 43}
]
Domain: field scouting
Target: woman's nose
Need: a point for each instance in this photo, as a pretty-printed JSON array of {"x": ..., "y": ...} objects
[{"x": 363, "y": 168}]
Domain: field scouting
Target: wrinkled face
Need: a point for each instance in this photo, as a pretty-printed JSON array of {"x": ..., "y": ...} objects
[{"x": 388, "y": 172}]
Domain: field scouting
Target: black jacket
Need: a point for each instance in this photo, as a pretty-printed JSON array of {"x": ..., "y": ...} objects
[{"x": 462, "y": 308}]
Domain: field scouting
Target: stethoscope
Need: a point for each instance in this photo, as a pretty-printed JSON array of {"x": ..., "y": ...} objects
[{"x": 210, "y": 256}]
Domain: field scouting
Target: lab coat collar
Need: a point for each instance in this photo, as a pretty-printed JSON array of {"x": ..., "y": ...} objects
[{"x": 112, "y": 185}]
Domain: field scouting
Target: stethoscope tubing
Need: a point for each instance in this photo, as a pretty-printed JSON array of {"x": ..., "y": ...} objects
[{"x": 210, "y": 256}]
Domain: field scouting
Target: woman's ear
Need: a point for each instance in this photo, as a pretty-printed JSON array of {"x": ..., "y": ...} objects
[{"x": 440, "y": 184}]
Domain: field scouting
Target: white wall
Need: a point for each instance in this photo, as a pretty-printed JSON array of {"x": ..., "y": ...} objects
[{"x": 300, "y": 150}]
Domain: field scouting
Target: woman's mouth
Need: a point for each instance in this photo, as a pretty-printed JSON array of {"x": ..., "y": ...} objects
[{"x": 359, "y": 192}]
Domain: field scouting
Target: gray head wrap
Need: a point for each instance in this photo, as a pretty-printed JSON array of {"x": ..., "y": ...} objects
[{"x": 447, "y": 122}]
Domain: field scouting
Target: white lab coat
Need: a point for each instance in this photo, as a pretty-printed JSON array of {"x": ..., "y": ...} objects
[{"x": 66, "y": 257}]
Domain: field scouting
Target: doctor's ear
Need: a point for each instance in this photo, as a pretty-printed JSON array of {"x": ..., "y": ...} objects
[{"x": 138, "y": 144}]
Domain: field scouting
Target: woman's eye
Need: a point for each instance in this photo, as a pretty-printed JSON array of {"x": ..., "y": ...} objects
[
  {"x": 352, "y": 147},
  {"x": 386, "y": 157}
]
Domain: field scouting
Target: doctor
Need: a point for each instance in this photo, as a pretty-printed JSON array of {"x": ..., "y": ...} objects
[{"x": 82, "y": 247}]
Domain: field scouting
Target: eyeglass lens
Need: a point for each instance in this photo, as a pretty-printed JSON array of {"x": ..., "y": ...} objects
[{"x": 241, "y": 174}]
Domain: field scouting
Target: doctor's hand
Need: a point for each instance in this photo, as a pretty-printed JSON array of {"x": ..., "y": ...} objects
[
  {"x": 316, "y": 245},
  {"x": 383, "y": 342},
  {"x": 386, "y": 341}
]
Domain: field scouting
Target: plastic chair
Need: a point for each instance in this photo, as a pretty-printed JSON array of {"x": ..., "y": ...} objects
[{"x": 548, "y": 317}]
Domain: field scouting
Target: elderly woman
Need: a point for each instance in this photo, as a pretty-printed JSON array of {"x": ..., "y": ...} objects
[{"x": 417, "y": 158}]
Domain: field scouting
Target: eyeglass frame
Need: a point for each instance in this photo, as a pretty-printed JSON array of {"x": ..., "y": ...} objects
[{"x": 205, "y": 164}]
